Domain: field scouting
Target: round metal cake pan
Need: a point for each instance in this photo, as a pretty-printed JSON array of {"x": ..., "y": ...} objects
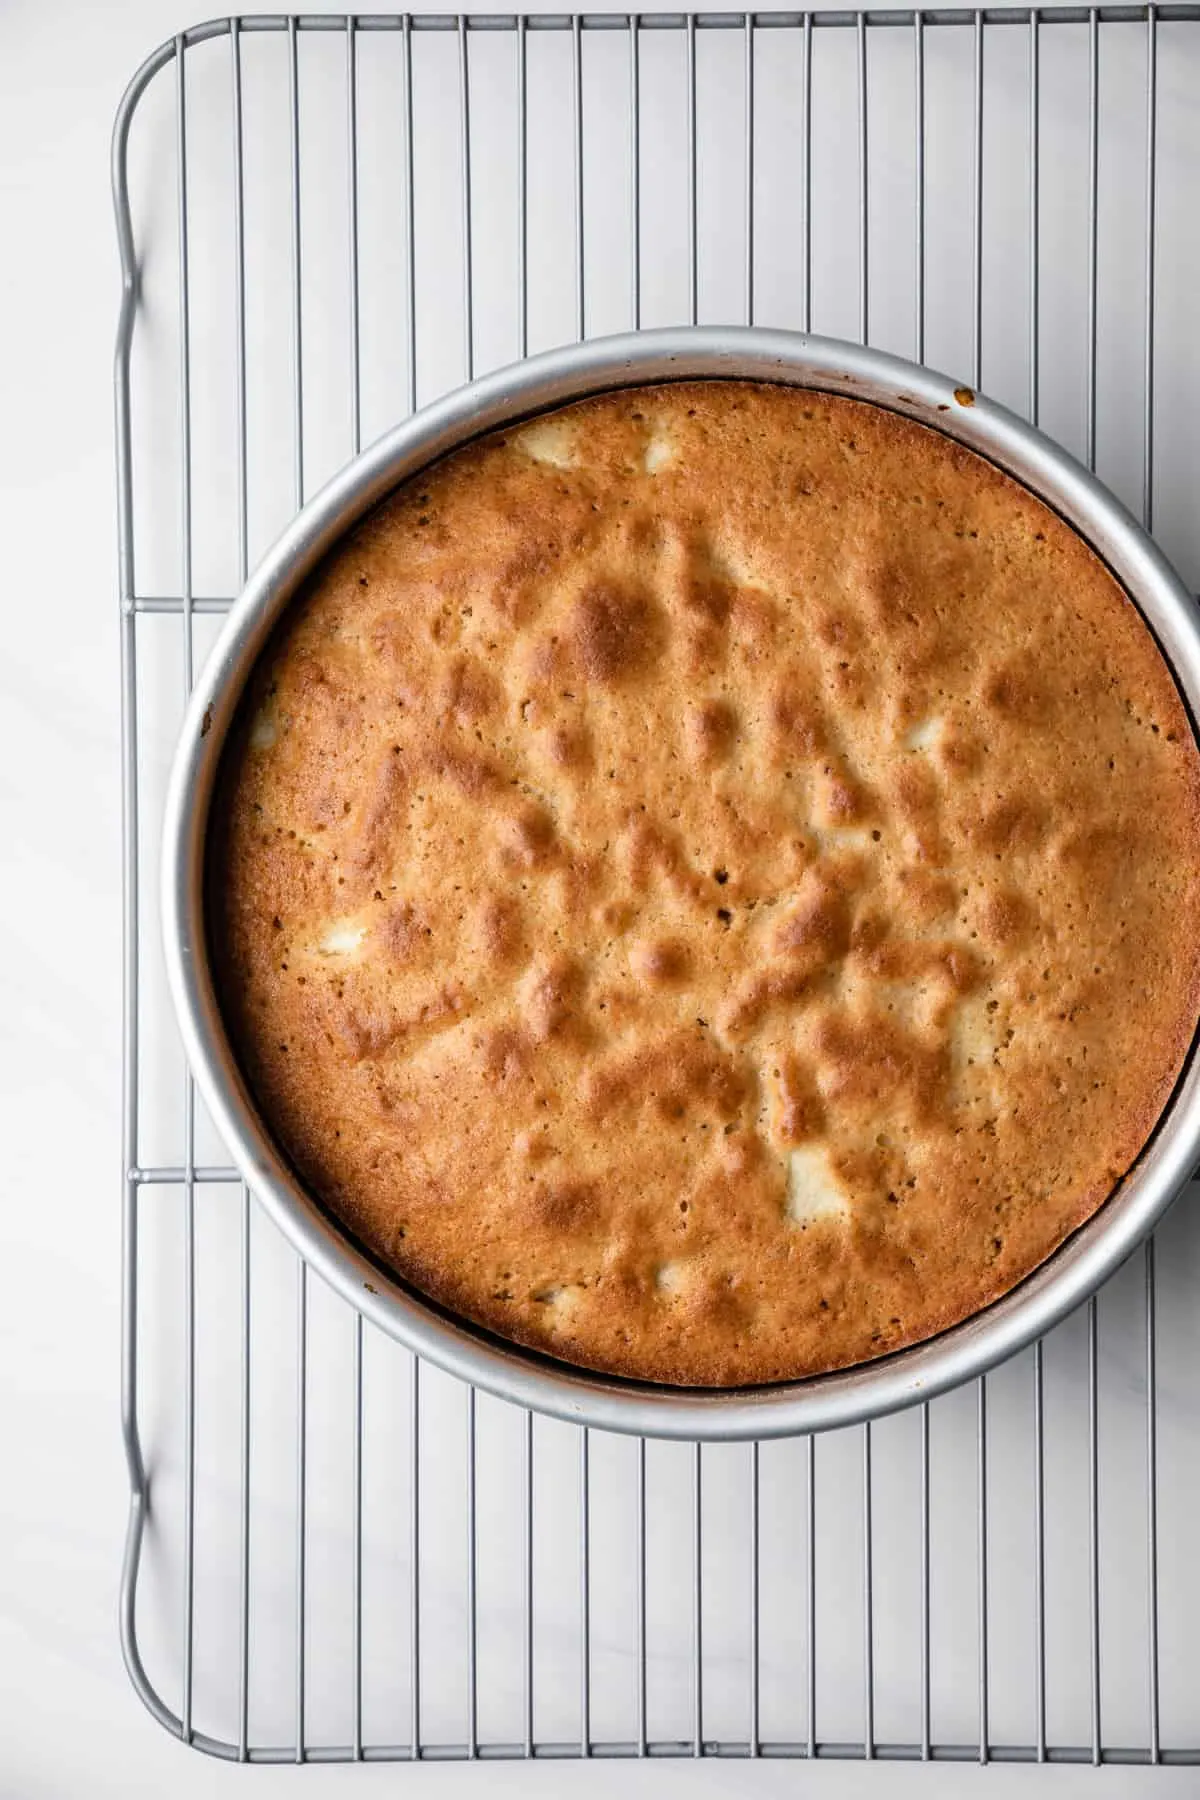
[{"x": 818, "y": 1403}]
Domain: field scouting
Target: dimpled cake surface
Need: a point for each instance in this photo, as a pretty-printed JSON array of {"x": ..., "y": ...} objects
[{"x": 705, "y": 883}]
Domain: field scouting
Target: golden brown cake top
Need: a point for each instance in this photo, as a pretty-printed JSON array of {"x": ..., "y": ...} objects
[{"x": 705, "y": 883}]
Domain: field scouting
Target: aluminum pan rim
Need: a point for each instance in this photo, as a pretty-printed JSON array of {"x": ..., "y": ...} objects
[{"x": 818, "y": 1403}]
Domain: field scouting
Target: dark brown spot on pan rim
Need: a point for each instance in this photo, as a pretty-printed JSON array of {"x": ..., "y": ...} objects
[
  {"x": 965, "y": 396},
  {"x": 206, "y": 722}
]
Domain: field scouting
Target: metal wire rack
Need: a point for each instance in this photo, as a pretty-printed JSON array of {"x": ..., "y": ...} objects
[{"x": 334, "y": 1552}]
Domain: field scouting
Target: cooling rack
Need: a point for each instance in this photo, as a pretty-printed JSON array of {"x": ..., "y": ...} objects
[{"x": 334, "y": 1551}]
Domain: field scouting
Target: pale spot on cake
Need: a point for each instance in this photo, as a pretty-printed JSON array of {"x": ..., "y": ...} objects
[
  {"x": 814, "y": 1194},
  {"x": 265, "y": 729},
  {"x": 557, "y": 1304},
  {"x": 550, "y": 441},
  {"x": 741, "y": 565},
  {"x": 660, "y": 453},
  {"x": 342, "y": 938},
  {"x": 974, "y": 1036},
  {"x": 843, "y": 837},
  {"x": 913, "y": 1004},
  {"x": 925, "y": 734}
]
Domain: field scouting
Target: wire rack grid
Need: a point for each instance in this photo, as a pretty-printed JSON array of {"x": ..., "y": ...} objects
[{"x": 322, "y": 224}]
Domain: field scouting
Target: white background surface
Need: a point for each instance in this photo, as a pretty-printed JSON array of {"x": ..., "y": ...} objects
[{"x": 69, "y": 1723}]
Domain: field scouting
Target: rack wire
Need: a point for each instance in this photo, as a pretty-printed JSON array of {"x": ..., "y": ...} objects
[{"x": 335, "y": 1552}]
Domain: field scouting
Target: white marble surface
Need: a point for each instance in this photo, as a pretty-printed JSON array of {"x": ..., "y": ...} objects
[{"x": 69, "y": 1723}]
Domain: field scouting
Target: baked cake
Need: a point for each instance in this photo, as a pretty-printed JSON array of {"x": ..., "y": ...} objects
[{"x": 705, "y": 883}]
